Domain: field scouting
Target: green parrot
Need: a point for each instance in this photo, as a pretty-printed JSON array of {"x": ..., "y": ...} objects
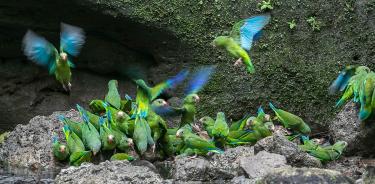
[
  {"x": 90, "y": 135},
  {"x": 171, "y": 144},
  {"x": 308, "y": 145},
  {"x": 107, "y": 136},
  {"x": 43, "y": 53},
  {"x": 366, "y": 95},
  {"x": 142, "y": 135},
  {"x": 157, "y": 124},
  {"x": 120, "y": 120},
  {"x": 77, "y": 158},
  {"x": 127, "y": 104},
  {"x": 329, "y": 153},
  {"x": 113, "y": 96},
  {"x": 76, "y": 127},
  {"x": 241, "y": 137},
  {"x": 121, "y": 156},
  {"x": 291, "y": 121},
  {"x": 220, "y": 130},
  {"x": 74, "y": 143},
  {"x": 97, "y": 107},
  {"x": 241, "y": 38},
  {"x": 196, "y": 143},
  {"x": 208, "y": 124},
  {"x": 240, "y": 124},
  {"x": 60, "y": 151},
  {"x": 76, "y": 148}
]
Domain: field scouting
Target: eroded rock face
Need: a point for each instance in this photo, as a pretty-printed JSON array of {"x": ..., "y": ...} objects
[
  {"x": 347, "y": 127},
  {"x": 280, "y": 145},
  {"x": 111, "y": 172},
  {"x": 30, "y": 145},
  {"x": 262, "y": 163},
  {"x": 305, "y": 175}
]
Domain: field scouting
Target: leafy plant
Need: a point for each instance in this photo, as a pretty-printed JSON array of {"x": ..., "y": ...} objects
[
  {"x": 292, "y": 24},
  {"x": 265, "y": 5},
  {"x": 315, "y": 24}
]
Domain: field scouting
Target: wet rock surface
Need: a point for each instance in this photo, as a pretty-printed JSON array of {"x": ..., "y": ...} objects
[
  {"x": 278, "y": 144},
  {"x": 347, "y": 127},
  {"x": 306, "y": 175},
  {"x": 108, "y": 172},
  {"x": 30, "y": 145}
]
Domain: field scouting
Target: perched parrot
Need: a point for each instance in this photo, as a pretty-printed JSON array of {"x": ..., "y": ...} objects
[
  {"x": 60, "y": 151},
  {"x": 127, "y": 104},
  {"x": 97, "y": 107},
  {"x": 208, "y": 124},
  {"x": 291, "y": 121},
  {"x": 220, "y": 130},
  {"x": 39, "y": 50},
  {"x": 241, "y": 38},
  {"x": 113, "y": 96},
  {"x": 366, "y": 95},
  {"x": 90, "y": 135},
  {"x": 107, "y": 136},
  {"x": 188, "y": 110},
  {"x": 76, "y": 147},
  {"x": 240, "y": 124},
  {"x": 142, "y": 135},
  {"x": 329, "y": 153},
  {"x": 308, "y": 144},
  {"x": 196, "y": 143},
  {"x": 171, "y": 144},
  {"x": 241, "y": 137},
  {"x": 76, "y": 127},
  {"x": 121, "y": 156},
  {"x": 157, "y": 124}
]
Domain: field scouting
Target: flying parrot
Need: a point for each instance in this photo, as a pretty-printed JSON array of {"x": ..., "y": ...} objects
[
  {"x": 291, "y": 121},
  {"x": 60, "y": 151},
  {"x": 43, "y": 53},
  {"x": 188, "y": 110},
  {"x": 241, "y": 38}
]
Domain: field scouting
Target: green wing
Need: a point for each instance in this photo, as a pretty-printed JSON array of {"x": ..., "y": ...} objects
[{"x": 235, "y": 33}]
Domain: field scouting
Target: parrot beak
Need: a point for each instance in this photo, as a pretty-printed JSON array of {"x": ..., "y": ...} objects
[
  {"x": 94, "y": 153},
  {"x": 178, "y": 133},
  {"x": 197, "y": 99},
  {"x": 64, "y": 56},
  {"x": 131, "y": 143},
  {"x": 111, "y": 139},
  {"x": 120, "y": 114},
  {"x": 62, "y": 149},
  {"x": 165, "y": 103}
]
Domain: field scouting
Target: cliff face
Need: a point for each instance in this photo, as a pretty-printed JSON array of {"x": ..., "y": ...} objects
[{"x": 293, "y": 66}]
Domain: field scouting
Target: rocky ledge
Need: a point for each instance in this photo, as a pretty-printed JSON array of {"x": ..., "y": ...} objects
[{"x": 272, "y": 159}]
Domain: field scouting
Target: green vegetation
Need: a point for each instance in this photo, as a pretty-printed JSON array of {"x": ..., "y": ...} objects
[
  {"x": 315, "y": 24},
  {"x": 292, "y": 24},
  {"x": 265, "y": 5}
]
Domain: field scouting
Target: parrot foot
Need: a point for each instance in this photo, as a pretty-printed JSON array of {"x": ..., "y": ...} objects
[
  {"x": 66, "y": 89},
  {"x": 153, "y": 148},
  {"x": 69, "y": 86},
  {"x": 196, "y": 128},
  {"x": 238, "y": 62}
]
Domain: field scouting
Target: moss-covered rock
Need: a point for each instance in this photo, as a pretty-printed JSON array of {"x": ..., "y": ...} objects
[{"x": 293, "y": 67}]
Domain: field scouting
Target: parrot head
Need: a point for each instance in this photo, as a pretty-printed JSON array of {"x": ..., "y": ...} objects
[
  {"x": 267, "y": 118},
  {"x": 64, "y": 56},
  {"x": 192, "y": 98},
  {"x": 249, "y": 121},
  {"x": 120, "y": 115},
  {"x": 130, "y": 143},
  {"x": 180, "y": 133},
  {"x": 62, "y": 148},
  {"x": 339, "y": 146},
  {"x": 206, "y": 120},
  {"x": 220, "y": 41},
  {"x": 159, "y": 103}
]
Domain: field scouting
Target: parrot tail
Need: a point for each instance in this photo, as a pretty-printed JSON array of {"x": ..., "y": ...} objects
[
  {"x": 364, "y": 114},
  {"x": 339, "y": 103},
  {"x": 272, "y": 107},
  {"x": 250, "y": 68},
  {"x": 216, "y": 150}
]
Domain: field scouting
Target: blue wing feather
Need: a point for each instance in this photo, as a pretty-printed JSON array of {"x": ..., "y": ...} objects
[
  {"x": 178, "y": 78},
  {"x": 39, "y": 50},
  {"x": 249, "y": 31},
  {"x": 199, "y": 79},
  {"x": 72, "y": 39}
]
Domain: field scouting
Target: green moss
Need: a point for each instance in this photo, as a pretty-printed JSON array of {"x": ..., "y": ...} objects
[{"x": 293, "y": 69}]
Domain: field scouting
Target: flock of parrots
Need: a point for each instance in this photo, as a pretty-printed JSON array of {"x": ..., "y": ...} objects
[{"x": 131, "y": 127}]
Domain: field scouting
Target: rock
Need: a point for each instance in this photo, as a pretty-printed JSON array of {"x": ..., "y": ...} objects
[
  {"x": 30, "y": 145},
  {"x": 108, "y": 172},
  {"x": 220, "y": 167},
  {"x": 352, "y": 167},
  {"x": 305, "y": 175},
  {"x": 369, "y": 175},
  {"x": 262, "y": 163},
  {"x": 280, "y": 145},
  {"x": 347, "y": 127},
  {"x": 241, "y": 180}
]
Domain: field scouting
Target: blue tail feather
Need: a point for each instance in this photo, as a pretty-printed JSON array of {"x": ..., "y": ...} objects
[{"x": 272, "y": 106}]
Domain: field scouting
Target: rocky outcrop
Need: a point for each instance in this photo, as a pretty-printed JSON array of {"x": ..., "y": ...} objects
[
  {"x": 306, "y": 175},
  {"x": 108, "y": 172},
  {"x": 30, "y": 145},
  {"x": 347, "y": 127},
  {"x": 280, "y": 145}
]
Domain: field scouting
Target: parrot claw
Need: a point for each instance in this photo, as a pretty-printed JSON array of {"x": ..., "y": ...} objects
[
  {"x": 69, "y": 86},
  {"x": 153, "y": 148},
  {"x": 196, "y": 128},
  {"x": 238, "y": 62}
]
